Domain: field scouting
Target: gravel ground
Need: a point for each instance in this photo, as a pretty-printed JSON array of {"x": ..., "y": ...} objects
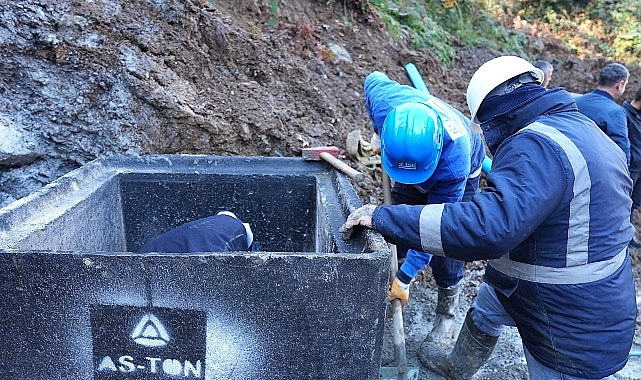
[{"x": 507, "y": 361}]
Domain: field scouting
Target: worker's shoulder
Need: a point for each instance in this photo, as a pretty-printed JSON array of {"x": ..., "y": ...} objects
[{"x": 593, "y": 96}]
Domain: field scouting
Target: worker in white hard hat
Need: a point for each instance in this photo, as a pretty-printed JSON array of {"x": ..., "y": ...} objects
[
  {"x": 429, "y": 150},
  {"x": 554, "y": 223}
]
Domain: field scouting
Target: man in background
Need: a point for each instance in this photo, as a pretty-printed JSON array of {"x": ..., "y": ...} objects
[
  {"x": 547, "y": 69},
  {"x": 633, "y": 112},
  {"x": 600, "y": 105}
]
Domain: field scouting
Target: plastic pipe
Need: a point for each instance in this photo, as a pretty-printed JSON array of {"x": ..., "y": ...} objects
[
  {"x": 415, "y": 78},
  {"x": 486, "y": 165}
]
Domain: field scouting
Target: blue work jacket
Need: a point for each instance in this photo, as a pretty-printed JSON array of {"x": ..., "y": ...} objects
[
  {"x": 461, "y": 158},
  {"x": 634, "y": 134},
  {"x": 554, "y": 220},
  {"x": 217, "y": 233},
  {"x": 608, "y": 115}
]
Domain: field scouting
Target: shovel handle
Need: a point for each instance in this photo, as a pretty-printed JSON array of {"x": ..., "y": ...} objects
[
  {"x": 398, "y": 334},
  {"x": 397, "y": 312}
]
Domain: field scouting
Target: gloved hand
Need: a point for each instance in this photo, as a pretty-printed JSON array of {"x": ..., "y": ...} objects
[
  {"x": 362, "y": 216},
  {"x": 376, "y": 143},
  {"x": 399, "y": 291}
]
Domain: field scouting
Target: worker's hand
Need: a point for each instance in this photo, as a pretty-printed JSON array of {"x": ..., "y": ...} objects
[
  {"x": 362, "y": 216},
  {"x": 376, "y": 143},
  {"x": 399, "y": 291}
]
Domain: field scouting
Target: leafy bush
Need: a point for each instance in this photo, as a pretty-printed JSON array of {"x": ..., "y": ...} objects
[
  {"x": 441, "y": 25},
  {"x": 609, "y": 29},
  {"x": 410, "y": 21}
]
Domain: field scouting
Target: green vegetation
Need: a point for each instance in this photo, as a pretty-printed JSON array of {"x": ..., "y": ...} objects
[
  {"x": 273, "y": 11},
  {"x": 609, "y": 29},
  {"x": 440, "y": 25}
]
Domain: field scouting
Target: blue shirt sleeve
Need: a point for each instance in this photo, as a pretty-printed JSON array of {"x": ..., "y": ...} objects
[
  {"x": 618, "y": 131},
  {"x": 383, "y": 94},
  {"x": 496, "y": 220}
]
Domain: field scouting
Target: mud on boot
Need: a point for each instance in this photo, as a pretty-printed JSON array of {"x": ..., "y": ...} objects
[
  {"x": 448, "y": 300},
  {"x": 471, "y": 350},
  {"x": 434, "y": 355}
]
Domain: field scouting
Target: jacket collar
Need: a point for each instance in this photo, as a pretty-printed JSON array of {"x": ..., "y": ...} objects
[
  {"x": 596, "y": 91},
  {"x": 627, "y": 105},
  {"x": 497, "y": 129}
]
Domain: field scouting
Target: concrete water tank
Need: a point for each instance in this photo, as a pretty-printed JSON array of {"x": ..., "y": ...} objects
[{"x": 78, "y": 302}]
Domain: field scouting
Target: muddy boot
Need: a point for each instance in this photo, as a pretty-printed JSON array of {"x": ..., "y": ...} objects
[
  {"x": 471, "y": 350},
  {"x": 443, "y": 330}
]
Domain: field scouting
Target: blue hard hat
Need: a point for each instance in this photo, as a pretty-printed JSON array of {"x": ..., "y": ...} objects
[{"x": 411, "y": 143}]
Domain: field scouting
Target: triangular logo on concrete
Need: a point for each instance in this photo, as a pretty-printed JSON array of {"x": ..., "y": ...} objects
[{"x": 150, "y": 332}]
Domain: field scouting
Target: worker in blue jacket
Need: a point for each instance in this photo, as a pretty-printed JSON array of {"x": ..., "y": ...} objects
[
  {"x": 632, "y": 109},
  {"x": 429, "y": 150},
  {"x": 222, "y": 232},
  {"x": 554, "y": 222},
  {"x": 600, "y": 105}
]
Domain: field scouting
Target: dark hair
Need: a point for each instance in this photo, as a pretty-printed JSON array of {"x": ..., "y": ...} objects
[
  {"x": 612, "y": 73},
  {"x": 543, "y": 65}
]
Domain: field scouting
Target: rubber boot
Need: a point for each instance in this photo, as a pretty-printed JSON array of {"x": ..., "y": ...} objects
[
  {"x": 471, "y": 350},
  {"x": 443, "y": 330}
]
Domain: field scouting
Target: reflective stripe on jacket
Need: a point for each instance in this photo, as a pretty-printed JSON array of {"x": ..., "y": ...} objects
[
  {"x": 460, "y": 156},
  {"x": 556, "y": 216}
]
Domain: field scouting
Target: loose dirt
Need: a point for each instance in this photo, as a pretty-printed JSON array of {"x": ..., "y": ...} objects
[{"x": 83, "y": 79}]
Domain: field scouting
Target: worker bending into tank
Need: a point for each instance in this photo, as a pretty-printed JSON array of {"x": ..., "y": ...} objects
[
  {"x": 429, "y": 150},
  {"x": 222, "y": 232},
  {"x": 554, "y": 222}
]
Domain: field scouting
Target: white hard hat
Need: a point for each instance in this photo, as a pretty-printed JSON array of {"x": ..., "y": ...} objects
[{"x": 493, "y": 73}]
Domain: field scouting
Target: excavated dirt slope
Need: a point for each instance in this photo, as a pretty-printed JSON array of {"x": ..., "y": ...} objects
[{"x": 81, "y": 79}]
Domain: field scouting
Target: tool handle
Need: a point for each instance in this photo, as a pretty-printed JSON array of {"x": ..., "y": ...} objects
[
  {"x": 343, "y": 167},
  {"x": 387, "y": 188},
  {"x": 398, "y": 334},
  {"x": 400, "y": 352}
]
